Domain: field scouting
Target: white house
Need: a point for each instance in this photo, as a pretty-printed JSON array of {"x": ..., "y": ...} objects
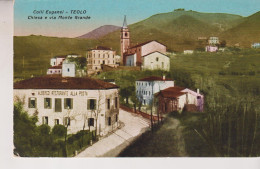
[
  {"x": 68, "y": 69},
  {"x": 188, "y": 52},
  {"x": 57, "y": 60},
  {"x": 147, "y": 87},
  {"x": 213, "y": 40},
  {"x": 98, "y": 56},
  {"x": 73, "y": 55},
  {"x": 156, "y": 60},
  {"x": 54, "y": 70},
  {"x": 70, "y": 101}
]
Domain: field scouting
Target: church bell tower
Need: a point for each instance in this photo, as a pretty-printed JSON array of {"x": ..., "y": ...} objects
[{"x": 125, "y": 40}]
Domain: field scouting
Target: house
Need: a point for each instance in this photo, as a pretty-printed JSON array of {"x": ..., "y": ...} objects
[
  {"x": 98, "y": 56},
  {"x": 73, "y": 55},
  {"x": 147, "y": 87},
  {"x": 54, "y": 70},
  {"x": 187, "y": 52},
  {"x": 68, "y": 69},
  {"x": 255, "y": 45},
  {"x": 133, "y": 55},
  {"x": 71, "y": 101},
  {"x": 156, "y": 60},
  {"x": 178, "y": 99},
  {"x": 152, "y": 61},
  {"x": 57, "y": 60},
  {"x": 213, "y": 41},
  {"x": 211, "y": 48}
]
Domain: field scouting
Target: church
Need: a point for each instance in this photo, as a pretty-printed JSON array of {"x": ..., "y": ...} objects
[{"x": 148, "y": 55}]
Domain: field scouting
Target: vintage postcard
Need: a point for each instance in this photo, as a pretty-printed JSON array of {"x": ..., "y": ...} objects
[{"x": 136, "y": 78}]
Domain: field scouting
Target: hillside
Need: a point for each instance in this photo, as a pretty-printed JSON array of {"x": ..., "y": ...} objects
[
  {"x": 100, "y": 32},
  {"x": 179, "y": 30},
  {"x": 245, "y": 33},
  {"x": 36, "y": 52}
]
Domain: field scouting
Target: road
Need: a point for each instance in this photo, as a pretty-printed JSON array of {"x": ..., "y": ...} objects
[{"x": 133, "y": 126}]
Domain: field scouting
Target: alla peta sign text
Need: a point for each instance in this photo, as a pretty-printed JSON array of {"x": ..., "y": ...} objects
[{"x": 62, "y": 93}]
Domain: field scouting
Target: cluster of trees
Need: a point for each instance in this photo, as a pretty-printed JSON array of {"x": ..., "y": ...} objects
[
  {"x": 80, "y": 62},
  {"x": 31, "y": 140}
]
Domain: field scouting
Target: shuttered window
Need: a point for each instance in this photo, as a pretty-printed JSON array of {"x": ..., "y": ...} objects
[
  {"x": 57, "y": 105},
  {"x": 68, "y": 103},
  {"x": 45, "y": 120},
  {"x": 32, "y": 102},
  {"x": 108, "y": 104},
  {"x": 109, "y": 121},
  {"x": 92, "y": 104},
  {"x": 116, "y": 103},
  {"x": 90, "y": 121},
  {"x": 47, "y": 103}
]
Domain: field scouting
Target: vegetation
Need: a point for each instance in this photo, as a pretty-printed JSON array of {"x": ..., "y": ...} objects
[
  {"x": 230, "y": 123},
  {"x": 31, "y": 140}
]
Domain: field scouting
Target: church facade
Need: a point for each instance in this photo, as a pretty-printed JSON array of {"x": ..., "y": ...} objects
[{"x": 135, "y": 55}]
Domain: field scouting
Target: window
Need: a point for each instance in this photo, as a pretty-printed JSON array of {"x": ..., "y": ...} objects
[
  {"x": 68, "y": 103},
  {"x": 109, "y": 121},
  {"x": 57, "y": 105},
  {"x": 45, "y": 120},
  {"x": 198, "y": 97},
  {"x": 67, "y": 121},
  {"x": 162, "y": 64},
  {"x": 32, "y": 102},
  {"x": 149, "y": 93},
  {"x": 68, "y": 69},
  {"x": 116, "y": 117},
  {"x": 108, "y": 103},
  {"x": 53, "y": 63},
  {"x": 47, "y": 103},
  {"x": 91, "y": 122},
  {"x": 57, "y": 121},
  {"x": 116, "y": 104},
  {"x": 157, "y": 59},
  {"x": 51, "y": 71},
  {"x": 126, "y": 34},
  {"x": 144, "y": 101},
  {"x": 91, "y": 104}
]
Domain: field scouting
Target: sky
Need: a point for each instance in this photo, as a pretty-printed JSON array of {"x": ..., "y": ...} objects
[{"x": 111, "y": 12}]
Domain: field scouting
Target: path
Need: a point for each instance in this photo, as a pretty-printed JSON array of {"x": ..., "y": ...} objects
[
  {"x": 177, "y": 128},
  {"x": 112, "y": 145}
]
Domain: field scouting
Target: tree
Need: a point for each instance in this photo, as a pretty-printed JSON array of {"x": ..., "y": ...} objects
[{"x": 127, "y": 92}]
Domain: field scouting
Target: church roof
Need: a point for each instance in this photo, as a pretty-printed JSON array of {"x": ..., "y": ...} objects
[
  {"x": 155, "y": 52},
  {"x": 101, "y": 48},
  {"x": 144, "y": 43},
  {"x": 125, "y": 24}
]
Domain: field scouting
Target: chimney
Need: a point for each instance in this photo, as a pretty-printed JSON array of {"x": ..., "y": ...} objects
[
  {"x": 163, "y": 77},
  {"x": 198, "y": 91},
  {"x": 64, "y": 80}
]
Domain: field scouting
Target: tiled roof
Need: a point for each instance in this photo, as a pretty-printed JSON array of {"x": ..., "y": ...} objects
[
  {"x": 56, "y": 67},
  {"x": 171, "y": 92},
  {"x": 144, "y": 43},
  {"x": 101, "y": 48},
  {"x": 154, "y": 78},
  {"x": 55, "y": 82}
]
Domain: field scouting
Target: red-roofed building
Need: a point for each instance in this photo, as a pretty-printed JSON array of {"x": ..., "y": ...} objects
[
  {"x": 54, "y": 70},
  {"x": 71, "y": 101},
  {"x": 179, "y": 99},
  {"x": 134, "y": 55}
]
